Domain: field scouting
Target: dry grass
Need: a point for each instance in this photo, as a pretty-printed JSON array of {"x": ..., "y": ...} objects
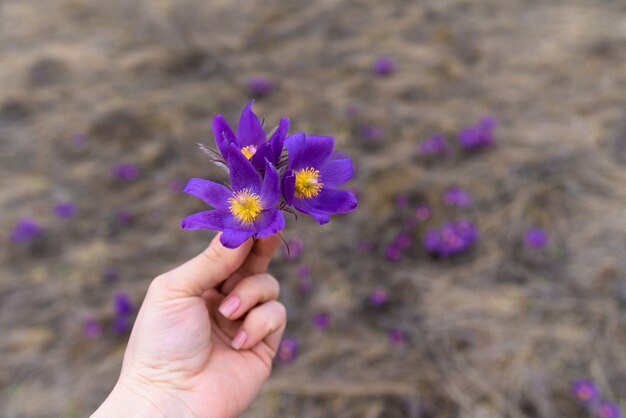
[{"x": 499, "y": 332}]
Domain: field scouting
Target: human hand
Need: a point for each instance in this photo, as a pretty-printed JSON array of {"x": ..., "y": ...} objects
[{"x": 204, "y": 338}]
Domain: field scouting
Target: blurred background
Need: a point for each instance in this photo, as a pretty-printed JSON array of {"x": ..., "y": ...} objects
[{"x": 483, "y": 274}]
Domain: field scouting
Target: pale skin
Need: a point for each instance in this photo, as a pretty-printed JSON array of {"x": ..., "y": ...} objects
[{"x": 204, "y": 338}]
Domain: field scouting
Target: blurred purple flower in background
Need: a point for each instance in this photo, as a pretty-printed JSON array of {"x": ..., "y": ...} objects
[
  {"x": 64, "y": 210},
  {"x": 293, "y": 249},
  {"x": 378, "y": 297},
  {"x": 372, "y": 133},
  {"x": 124, "y": 217},
  {"x": 479, "y": 135},
  {"x": 122, "y": 304},
  {"x": 393, "y": 253},
  {"x": 422, "y": 212},
  {"x": 125, "y": 172},
  {"x": 260, "y": 86},
  {"x": 109, "y": 273},
  {"x": 453, "y": 238},
  {"x": 321, "y": 321},
  {"x": 536, "y": 238},
  {"x": 608, "y": 410},
  {"x": 25, "y": 230},
  {"x": 456, "y": 196},
  {"x": 402, "y": 200},
  {"x": 585, "y": 391},
  {"x": 384, "y": 65},
  {"x": 287, "y": 350},
  {"x": 92, "y": 328},
  {"x": 121, "y": 324},
  {"x": 434, "y": 145},
  {"x": 396, "y": 336},
  {"x": 79, "y": 139}
]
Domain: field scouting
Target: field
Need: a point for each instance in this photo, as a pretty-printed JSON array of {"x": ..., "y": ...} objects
[{"x": 500, "y": 330}]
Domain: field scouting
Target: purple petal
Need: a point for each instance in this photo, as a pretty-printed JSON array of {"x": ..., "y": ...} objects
[
  {"x": 250, "y": 131},
  {"x": 263, "y": 153},
  {"x": 233, "y": 238},
  {"x": 333, "y": 201},
  {"x": 289, "y": 186},
  {"x": 336, "y": 172},
  {"x": 211, "y": 219},
  {"x": 269, "y": 223},
  {"x": 318, "y": 149},
  {"x": 242, "y": 173},
  {"x": 212, "y": 193},
  {"x": 223, "y": 134},
  {"x": 296, "y": 147},
  {"x": 270, "y": 192},
  {"x": 303, "y": 206},
  {"x": 277, "y": 139}
]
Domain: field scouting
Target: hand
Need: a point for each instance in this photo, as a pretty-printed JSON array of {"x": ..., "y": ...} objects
[{"x": 204, "y": 338}]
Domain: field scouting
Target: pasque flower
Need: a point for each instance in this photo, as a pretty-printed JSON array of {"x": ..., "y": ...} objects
[
  {"x": 311, "y": 181},
  {"x": 249, "y": 209},
  {"x": 26, "y": 229},
  {"x": 479, "y": 135},
  {"x": 250, "y": 139}
]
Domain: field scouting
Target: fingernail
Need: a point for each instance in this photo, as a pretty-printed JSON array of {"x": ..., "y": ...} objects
[
  {"x": 239, "y": 340},
  {"x": 229, "y": 306}
]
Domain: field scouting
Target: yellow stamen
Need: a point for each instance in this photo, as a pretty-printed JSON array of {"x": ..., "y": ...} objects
[
  {"x": 249, "y": 151},
  {"x": 245, "y": 206},
  {"x": 308, "y": 183}
]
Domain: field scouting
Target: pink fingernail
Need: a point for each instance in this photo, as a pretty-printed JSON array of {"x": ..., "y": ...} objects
[
  {"x": 229, "y": 306},
  {"x": 239, "y": 340}
]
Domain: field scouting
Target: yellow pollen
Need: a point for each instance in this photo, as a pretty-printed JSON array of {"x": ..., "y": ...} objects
[
  {"x": 249, "y": 151},
  {"x": 308, "y": 183},
  {"x": 245, "y": 206}
]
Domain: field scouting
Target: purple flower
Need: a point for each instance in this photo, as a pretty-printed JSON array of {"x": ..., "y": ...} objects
[
  {"x": 26, "y": 229},
  {"x": 456, "y": 196},
  {"x": 287, "y": 350},
  {"x": 402, "y": 200},
  {"x": 124, "y": 217},
  {"x": 585, "y": 391},
  {"x": 384, "y": 66},
  {"x": 79, "y": 140},
  {"x": 122, "y": 304},
  {"x": 125, "y": 172},
  {"x": 372, "y": 133},
  {"x": 311, "y": 181},
  {"x": 396, "y": 336},
  {"x": 435, "y": 145},
  {"x": 305, "y": 285},
  {"x": 422, "y": 212},
  {"x": 393, "y": 253},
  {"x": 403, "y": 240},
  {"x": 293, "y": 249},
  {"x": 109, "y": 273},
  {"x": 608, "y": 410},
  {"x": 250, "y": 139},
  {"x": 536, "y": 238},
  {"x": 451, "y": 239},
  {"x": 260, "y": 86},
  {"x": 65, "y": 210},
  {"x": 304, "y": 272},
  {"x": 378, "y": 297},
  {"x": 245, "y": 211},
  {"x": 321, "y": 321},
  {"x": 479, "y": 135},
  {"x": 121, "y": 324},
  {"x": 92, "y": 328}
]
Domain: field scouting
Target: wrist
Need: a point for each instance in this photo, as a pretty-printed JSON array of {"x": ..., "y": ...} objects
[{"x": 135, "y": 399}]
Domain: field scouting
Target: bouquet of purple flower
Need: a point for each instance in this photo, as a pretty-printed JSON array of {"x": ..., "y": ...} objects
[{"x": 265, "y": 180}]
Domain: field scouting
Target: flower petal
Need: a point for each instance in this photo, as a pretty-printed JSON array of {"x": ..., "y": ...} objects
[
  {"x": 212, "y": 193},
  {"x": 233, "y": 238},
  {"x": 296, "y": 147},
  {"x": 250, "y": 131},
  {"x": 334, "y": 173},
  {"x": 223, "y": 134},
  {"x": 288, "y": 186},
  {"x": 333, "y": 201},
  {"x": 303, "y": 206},
  {"x": 242, "y": 173},
  {"x": 270, "y": 191},
  {"x": 212, "y": 219},
  {"x": 269, "y": 223},
  {"x": 318, "y": 149},
  {"x": 263, "y": 153},
  {"x": 277, "y": 139}
]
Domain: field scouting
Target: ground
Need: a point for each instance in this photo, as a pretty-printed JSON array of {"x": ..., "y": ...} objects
[{"x": 500, "y": 331}]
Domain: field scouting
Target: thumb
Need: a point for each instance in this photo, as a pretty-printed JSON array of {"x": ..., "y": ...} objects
[{"x": 206, "y": 270}]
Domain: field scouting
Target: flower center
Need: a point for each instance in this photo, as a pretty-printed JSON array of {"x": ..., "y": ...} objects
[
  {"x": 245, "y": 206},
  {"x": 308, "y": 183},
  {"x": 249, "y": 151}
]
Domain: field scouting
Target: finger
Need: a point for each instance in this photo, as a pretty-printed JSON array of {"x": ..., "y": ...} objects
[
  {"x": 261, "y": 322},
  {"x": 207, "y": 269},
  {"x": 248, "y": 293},
  {"x": 257, "y": 261}
]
